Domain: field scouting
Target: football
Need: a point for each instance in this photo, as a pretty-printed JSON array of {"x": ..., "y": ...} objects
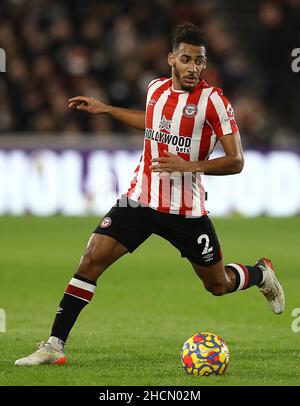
[{"x": 205, "y": 354}]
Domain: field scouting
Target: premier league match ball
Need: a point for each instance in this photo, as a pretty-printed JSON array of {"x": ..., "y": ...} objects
[{"x": 205, "y": 354}]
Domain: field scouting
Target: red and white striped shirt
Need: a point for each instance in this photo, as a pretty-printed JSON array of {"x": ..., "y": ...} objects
[{"x": 187, "y": 124}]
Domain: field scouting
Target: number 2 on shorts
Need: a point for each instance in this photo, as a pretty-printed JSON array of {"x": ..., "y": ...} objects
[{"x": 207, "y": 248}]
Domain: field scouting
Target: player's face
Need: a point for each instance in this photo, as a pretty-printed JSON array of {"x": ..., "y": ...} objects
[{"x": 187, "y": 63}]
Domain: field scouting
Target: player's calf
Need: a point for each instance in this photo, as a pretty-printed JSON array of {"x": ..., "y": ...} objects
[
  {"x": 217, "y": 289},
  {"x": 216, "y": 279},
  {"x": 101, "y": 252},
  {"x": 245, "y": 276},
  {"x": 220, "y": 280}
]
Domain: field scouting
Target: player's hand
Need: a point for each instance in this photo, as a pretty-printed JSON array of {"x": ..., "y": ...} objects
[
  {"x": 171, "y": 163},
  {"x": 89, "y": 104}
]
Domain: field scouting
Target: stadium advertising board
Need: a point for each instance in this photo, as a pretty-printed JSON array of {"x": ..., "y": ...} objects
[{"x": 74, "y": 182}]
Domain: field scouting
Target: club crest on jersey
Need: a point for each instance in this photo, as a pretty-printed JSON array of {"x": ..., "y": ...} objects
[
  {"x": 190, "y": 110},
  {"x": 106, "y": 222},
  {"x": 165, "y": 124}
]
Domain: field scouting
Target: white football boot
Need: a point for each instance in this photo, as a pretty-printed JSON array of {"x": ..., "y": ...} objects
[
  {"x": 270, "y": 286},
  {"x": 46, "y": 354}
]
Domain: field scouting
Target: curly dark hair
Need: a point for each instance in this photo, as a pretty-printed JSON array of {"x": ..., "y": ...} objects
[{"x": 190, "y": 34}]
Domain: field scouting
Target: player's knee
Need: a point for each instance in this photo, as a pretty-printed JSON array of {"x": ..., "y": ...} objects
[
  {"x": 90, "y": 264},
  {"x": 89, "y": 259},
  {"x": 217, "y": 289}
]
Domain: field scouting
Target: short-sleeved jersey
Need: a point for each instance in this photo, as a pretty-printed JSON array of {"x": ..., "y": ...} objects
[{"x": 188, "y": 124}]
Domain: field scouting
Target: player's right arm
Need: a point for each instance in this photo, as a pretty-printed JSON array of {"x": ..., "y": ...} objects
[{"x": 134, "y": 118}]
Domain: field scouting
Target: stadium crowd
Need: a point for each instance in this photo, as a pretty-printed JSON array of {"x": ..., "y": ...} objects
[{"x": 110, "y": 50}]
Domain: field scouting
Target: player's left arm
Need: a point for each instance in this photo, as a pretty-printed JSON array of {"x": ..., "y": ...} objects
[{"x": 232, "y": 162}]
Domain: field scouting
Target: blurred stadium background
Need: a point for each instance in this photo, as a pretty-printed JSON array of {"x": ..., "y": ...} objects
[{"x": 110, "y": 50}]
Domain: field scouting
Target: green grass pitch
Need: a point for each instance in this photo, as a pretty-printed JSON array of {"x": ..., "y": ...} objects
[{"x": 146, "y": 305}]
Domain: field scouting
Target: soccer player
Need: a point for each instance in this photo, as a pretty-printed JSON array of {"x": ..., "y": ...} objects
[{"x": 184, "y": 119}]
